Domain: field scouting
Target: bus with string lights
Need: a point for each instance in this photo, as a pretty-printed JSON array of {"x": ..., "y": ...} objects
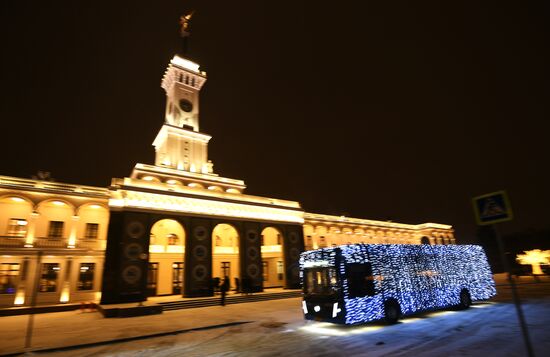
[{"x": 358, "y": 283}]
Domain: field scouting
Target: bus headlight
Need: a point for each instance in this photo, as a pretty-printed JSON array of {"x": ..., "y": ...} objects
[
  {"x": 317, "y": 308},
  {"x": 335, "y": 309},
  {"x": 304, "y": 307}
]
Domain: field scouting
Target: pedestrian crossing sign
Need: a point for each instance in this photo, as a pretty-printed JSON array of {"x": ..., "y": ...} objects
[{"x": 492, "y": 208}]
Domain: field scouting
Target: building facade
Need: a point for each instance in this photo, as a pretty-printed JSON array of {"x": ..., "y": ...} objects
[
  {"x": 321, "y": 231},
  {"x": 52, "y": 239},
  {"x": 172, "y": 228}
]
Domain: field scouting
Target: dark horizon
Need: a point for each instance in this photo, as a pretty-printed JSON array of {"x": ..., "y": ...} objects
[{"x": 374, "y": 111}]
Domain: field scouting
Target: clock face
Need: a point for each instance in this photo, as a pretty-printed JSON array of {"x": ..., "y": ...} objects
[{"x": 186, "y": 105}]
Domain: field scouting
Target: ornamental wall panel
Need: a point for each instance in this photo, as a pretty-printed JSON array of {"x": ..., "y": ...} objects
[
  {"x": 251, "y": 255},
  {"x": 126, "y": 258},
  {"x": 198, "y": 259},
  {"x": 293, "y": 245}
]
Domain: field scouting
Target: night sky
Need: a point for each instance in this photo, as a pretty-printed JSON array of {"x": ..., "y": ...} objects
[{"x": 384, "y": 110}]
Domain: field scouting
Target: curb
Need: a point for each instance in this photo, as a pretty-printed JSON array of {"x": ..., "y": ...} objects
[
  {"x": 26, "y": 310},
  {"x": 526, "y": 283},
  {"x": 125, "y": 339}
]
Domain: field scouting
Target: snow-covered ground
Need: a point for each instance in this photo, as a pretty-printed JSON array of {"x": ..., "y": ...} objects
[{"x": 277, "y": 328}]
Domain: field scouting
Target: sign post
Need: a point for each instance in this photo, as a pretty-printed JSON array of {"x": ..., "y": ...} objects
[
  {"x": 490, "y": 209},
  {"x": 28, "y": 337}
]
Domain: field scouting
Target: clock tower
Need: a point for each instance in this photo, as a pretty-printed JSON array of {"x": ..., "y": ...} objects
[
  {"x": 179, "y": 143},
  {"x": 181, "y": 150},
  {"x": 182, "y": 82}
]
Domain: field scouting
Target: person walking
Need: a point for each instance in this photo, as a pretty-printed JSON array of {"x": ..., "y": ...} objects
[
  {"x": 237, "y": 285},
  {"x": 224, "y": 287},
  {"x": 245, "y": 286}
]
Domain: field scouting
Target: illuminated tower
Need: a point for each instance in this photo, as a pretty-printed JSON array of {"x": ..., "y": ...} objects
[
  {"x": 179, "y": 144},
  {"x": 181, "y": 150}
]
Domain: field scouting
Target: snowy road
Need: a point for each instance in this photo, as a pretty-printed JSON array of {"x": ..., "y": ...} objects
[{"x": 486, "y": 329}]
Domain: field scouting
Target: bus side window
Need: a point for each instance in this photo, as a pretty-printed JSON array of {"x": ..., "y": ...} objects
[{"x": 361, "y": 281}]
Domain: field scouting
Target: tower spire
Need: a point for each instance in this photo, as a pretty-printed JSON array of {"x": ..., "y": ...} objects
[{"x": 185, "y": 32}]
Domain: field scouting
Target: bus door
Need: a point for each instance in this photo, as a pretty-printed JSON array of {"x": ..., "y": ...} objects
[
  {"x": 422, "y": 287},
  {"x": 428, "y": 280},
  {"x": 322, "y": 300}
]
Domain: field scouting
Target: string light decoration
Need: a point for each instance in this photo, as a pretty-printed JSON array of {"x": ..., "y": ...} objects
[{"x": 417, "y": 277}]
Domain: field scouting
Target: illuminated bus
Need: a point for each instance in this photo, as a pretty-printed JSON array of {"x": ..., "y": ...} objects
[{"x": 357, "y": 283}]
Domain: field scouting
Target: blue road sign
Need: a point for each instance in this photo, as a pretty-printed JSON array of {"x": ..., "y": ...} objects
[{"x": 492, "y": 208}]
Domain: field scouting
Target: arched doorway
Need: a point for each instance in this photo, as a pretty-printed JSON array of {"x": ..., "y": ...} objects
[
  {"x": 273, "y": 267},
  {"x": 167, "y": 249},
  {"x": 225, "y": 253},
  {"x": 425, "y": 240}
]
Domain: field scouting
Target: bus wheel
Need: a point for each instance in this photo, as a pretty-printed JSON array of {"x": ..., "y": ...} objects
[
  {"x": 392, "y": 311},
  {"x": 465, "y": 299}
]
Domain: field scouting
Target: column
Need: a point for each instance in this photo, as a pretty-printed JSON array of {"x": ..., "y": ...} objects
[
  {"x": 21, "y": 286},
  {"x": 65, "y": 285},
  {"x": 72, "y": 235},
  {"x": 29, "y": 241}
]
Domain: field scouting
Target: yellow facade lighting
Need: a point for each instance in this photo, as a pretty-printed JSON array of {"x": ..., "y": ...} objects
[
  {"x": 65, "y": 293},
  {"x": 19, "y": 297},
  {"x": 160, "y": 202}
]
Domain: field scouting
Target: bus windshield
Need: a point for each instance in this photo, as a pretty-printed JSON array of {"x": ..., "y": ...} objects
[{"x": 320, "y": 281}]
